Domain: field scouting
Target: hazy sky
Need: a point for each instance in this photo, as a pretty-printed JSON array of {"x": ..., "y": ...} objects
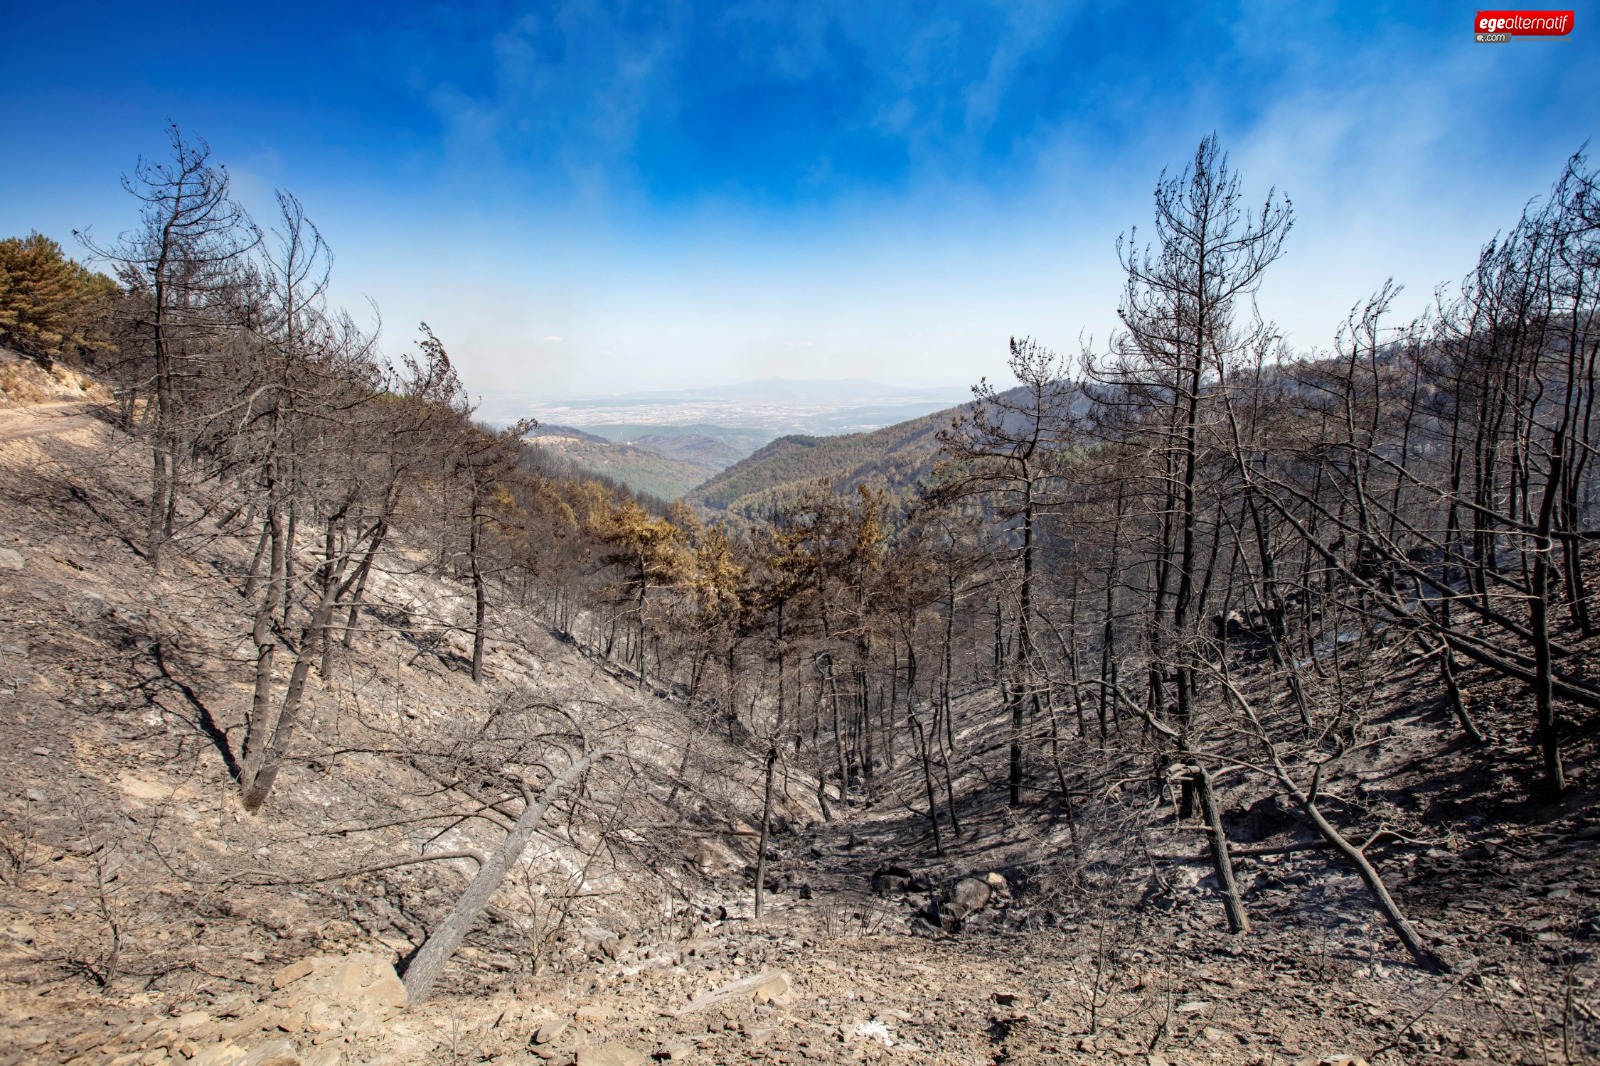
[{"x": 595, "y": 197}]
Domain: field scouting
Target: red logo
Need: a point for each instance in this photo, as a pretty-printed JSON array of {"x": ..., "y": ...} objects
[{"x": 1524, "y": 23}]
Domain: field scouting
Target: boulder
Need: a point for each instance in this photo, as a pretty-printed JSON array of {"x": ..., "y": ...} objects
[
  {"x": 889, "y": 879},
  {"x": 710, "y": 857},
  {"x": 363, "y": 982},
  {"x": 769, "y": 987},
  {"x": 677, "y": 1051},
  {"x": 292, "y": 973},
  {"x": 322, "y": 1016},
  {"x": 610, "y": 1055},
  {"x": 774, "y": 990},
  {"x": 599, "y": 943},
  {"x": 223, "y": 1054},
  {"x": 265, "y": 1018},
  {"x": 549, "y": 1032},
  {"x": 959, "y": 902},
  {"x": 291, "y": 1020},
  {"x": 272, "y": 1053},
  {"x": 970, "y": 893},
  {"x": 323, "y": 992},
  {"x": 776, "y": 881}
]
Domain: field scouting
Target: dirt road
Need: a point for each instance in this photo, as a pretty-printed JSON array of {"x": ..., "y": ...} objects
[{"x": 43, "y": 419}]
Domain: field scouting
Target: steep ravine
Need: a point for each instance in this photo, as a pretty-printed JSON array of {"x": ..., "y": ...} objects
[{"x": 145, "y": 919}]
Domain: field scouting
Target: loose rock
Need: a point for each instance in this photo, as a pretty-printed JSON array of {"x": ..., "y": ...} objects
[{"x": 610, "y": 1055}]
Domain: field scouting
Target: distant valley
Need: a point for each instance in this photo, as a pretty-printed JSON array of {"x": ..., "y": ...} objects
[
  {"x": 895, "y": 457},
  {"x": 775, "y": 434},
  {"x": 664, "y": 465},
  {"x": 711, "y": 445}
]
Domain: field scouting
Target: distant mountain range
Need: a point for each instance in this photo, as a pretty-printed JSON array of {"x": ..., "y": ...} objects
[
  {"x": 669, "y": 443},
  {"x": 713, "y": 468},
  {"x": 772, "y": 408},
  {"x": 833, "y": 392},
  {"x": 702, "y": 442},
  {"x": 895, "y": 457}
]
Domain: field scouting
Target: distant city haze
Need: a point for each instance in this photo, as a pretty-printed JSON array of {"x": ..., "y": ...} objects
[{"x": 772, "y": 407}]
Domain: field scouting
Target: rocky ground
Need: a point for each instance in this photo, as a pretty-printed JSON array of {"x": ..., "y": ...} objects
[{"x": 145, "y": 919}]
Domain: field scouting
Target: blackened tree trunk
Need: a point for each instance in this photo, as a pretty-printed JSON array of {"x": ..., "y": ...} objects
[
  {"x": 436, "y": 951},
  {"x": 1221, "y": 860},
  {"x": 766, "y": 822}
]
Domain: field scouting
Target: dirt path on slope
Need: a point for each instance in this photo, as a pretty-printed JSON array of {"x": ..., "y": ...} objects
[{"x": 44, "y": 419}]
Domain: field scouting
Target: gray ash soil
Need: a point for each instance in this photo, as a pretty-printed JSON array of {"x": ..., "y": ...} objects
[{"x": 143, "y": 916}]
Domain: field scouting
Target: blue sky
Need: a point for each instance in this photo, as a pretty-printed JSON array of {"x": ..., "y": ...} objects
[{"x": 692, "y": 193}]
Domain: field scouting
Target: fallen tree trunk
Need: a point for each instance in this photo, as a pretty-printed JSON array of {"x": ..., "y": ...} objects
[
  {"x": 1306, "y": 800},
  {"x": 1221, "y": 861},
  {"x": 1369, "y": 874},
  {"x": 430, "y": 960}
]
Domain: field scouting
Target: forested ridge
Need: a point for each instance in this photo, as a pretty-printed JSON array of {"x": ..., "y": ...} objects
[
  {"x": 895, "y": 458},
  {"x": 1163, "y": 585},
  {"x": 648, "y": 467}
]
